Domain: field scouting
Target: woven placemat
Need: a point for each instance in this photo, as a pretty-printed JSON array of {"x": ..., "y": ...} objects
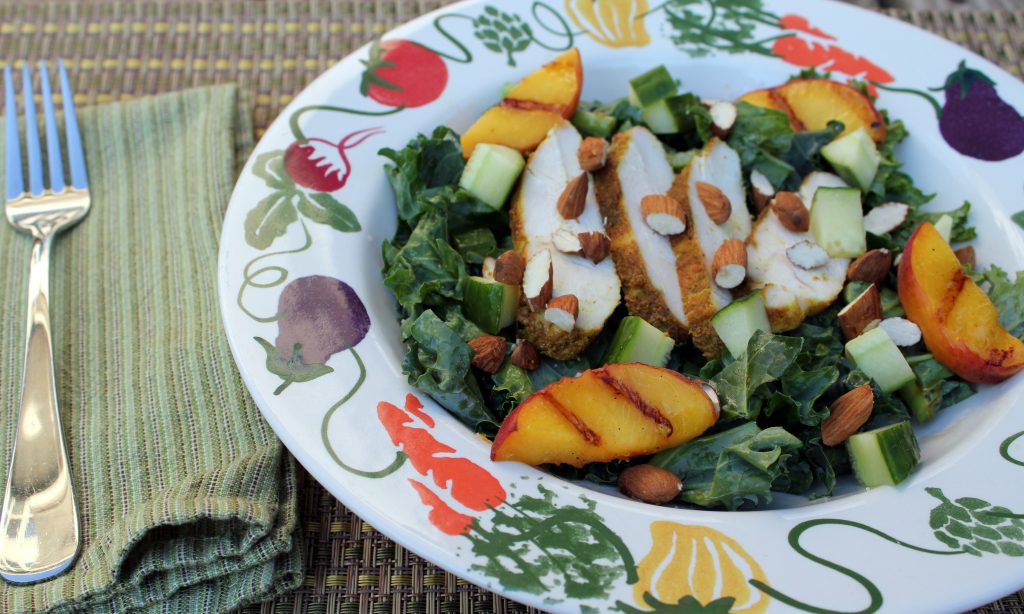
[{"x": 272, "y": 49}]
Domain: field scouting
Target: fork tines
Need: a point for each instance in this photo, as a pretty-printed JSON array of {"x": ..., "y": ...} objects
[{"x": 76, "y": 157}]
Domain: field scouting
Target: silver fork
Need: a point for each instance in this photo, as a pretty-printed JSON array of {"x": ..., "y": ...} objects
[{"x": 39, "y": 533}]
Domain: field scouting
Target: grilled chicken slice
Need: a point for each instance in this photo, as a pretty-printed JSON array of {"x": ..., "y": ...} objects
[
  {"x": 637, "y": 167},
  {"x": 534, "y": 218},
  {"x": 791, "y": 293},
  {"x": 717, "y": 165}
]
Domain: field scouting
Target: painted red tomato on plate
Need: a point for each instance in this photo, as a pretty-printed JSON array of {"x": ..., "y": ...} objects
[{"x": 402, "y": 73}]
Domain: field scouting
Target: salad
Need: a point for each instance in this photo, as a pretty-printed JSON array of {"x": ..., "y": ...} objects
[{"x": 704, "y": 302}]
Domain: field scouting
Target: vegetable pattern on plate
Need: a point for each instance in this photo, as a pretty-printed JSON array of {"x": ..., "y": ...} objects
[{"x": 569, "y": 552}]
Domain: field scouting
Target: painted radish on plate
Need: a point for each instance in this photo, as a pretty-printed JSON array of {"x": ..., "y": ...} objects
[{"x": 319, "y": 164}]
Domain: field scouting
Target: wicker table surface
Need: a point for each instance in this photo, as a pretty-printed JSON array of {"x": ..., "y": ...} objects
[{"x": 122, "y": 49}]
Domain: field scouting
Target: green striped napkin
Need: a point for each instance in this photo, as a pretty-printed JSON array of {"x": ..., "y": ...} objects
[{"x": 187, "y": 499}]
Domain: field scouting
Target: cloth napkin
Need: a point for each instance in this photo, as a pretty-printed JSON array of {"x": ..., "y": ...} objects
[{"x": 188, "y": 501}]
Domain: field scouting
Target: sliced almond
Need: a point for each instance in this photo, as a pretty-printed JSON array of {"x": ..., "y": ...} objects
[
  {"x": 885, "y": 218},
  {"x": 966, "y": 256},
  {"x": 871, "y": 266},
  {"x": 566, "y": 241},
  {"x": 723, "y": 116},
  {"x": 509, "y": 268},
  {"x": 650, "y": 484},
  {"x": 574, "y": 197},
  {"x": 663, "y": 214},
  {"x": 863, "y": 313},
  {"x": 596, "y": 246},
  {"x": 525, "y": 355},
  {"x": 847, "y": 414},
  {"x": 761, "y": 188},
  {"x": 807, "y": 255},
  {"x": 791, "y": 212},
  {"x": 592, "y": 153},
  {"x": 487, "y": 268},
  {"x": 903, "y": 332},
  {"x": 715, "y": 202},
  {"x": 538, "y": 280},
  {"x": 729, "y": 266},
  {"x": 488, "y": 352},
  {"x": 562, "y": 311}
]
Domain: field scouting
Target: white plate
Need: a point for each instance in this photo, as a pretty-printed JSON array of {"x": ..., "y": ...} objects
[{"x": 427, "y": 482}]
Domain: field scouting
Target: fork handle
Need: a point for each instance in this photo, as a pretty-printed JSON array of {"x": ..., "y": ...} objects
[{"x": 39, "y": 532}]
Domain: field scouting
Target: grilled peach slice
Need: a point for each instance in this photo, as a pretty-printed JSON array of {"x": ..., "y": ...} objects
[
  {"x": 959, "y": 323},
  {"x": 614, "y": 412},
  {"x": 533, "y": 107},
  {"x": 816, "y": 101},
  {"x": 770, "y": 99}
]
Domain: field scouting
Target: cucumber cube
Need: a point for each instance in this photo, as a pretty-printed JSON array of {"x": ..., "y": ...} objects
[
  {"x": 654, "y": 85},
  {"x": 884, "y": 456},
  {"x": 921, "y": 407},
  {"x": 879, "y": 358},
  {"x": 854, "y": 157},
  {"x": 944, "y": 226},
  {"x": 737, "y": 322},
  {"x": 837, "y": 222},
  {"x": 491, "y": 172},
  {"x": 660, "y": 119},
  {"x": 638, "y": 341},
  {"x": 490, "y": 304},
  {"x": 594, "y": 123}
]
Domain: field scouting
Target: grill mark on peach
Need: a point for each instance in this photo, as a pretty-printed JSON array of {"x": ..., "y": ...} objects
[
  {"x": 531, "y": 105},
  {"x": 997, "y": 356},
  {"x": 953, "y": 290},
  {"x": 585, "y": 431},
  {"x": 649, "y": 411}
]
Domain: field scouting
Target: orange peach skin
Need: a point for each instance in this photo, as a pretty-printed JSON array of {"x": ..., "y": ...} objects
[
  {"x": 816, "y": 101},
  {"x": 959, "y": 323},
  {"x": 613, "y": 412},
  {"x": 535, "y": 105}
]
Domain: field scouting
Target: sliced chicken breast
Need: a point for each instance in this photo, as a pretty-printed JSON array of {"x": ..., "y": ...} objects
[
  {"x": 534, "y": 218},
  {"x": 791, "y": 293},
  {"x": 637, "y": 167},
  {"x": 717, "y": 165}
]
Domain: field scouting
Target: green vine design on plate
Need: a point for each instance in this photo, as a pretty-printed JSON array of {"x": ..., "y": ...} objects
[
  {"x": 1004, "y": 449},
  {"x": 967, "y": 525},
  {"x": 400, "y": 457},
  {"x": 250, "y": 276}
]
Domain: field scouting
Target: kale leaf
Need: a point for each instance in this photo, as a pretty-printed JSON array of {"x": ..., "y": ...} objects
[
  {"x": 1008, "y": 297},
  {"x": 740, "y": 384},
  {"x": 730, "y": 468},
  {"x": 425, "y": 164}
]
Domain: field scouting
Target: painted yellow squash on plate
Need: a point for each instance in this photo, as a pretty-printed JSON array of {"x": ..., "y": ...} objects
[
  {"x": 612, "y": 23},
  {"x": 701, "y": 562}
]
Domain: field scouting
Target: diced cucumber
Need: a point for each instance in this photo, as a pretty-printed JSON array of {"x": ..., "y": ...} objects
[
  {"x": 491, "y": 172},
  {"x": 891, "y": 305},
  {"x": 944, "y": 226},
  {"x": 638, "y": 341},
  {"x": 921, "y": 407},
  {"x": 652, "y": 86},
  {"x": 854, "y": 157},
  {"x": 660, "y": 118},
  {"x": 879, "y": 358},
  {"x": 507, "y": 87},
  {"x": 737, "y": 322},
  {"x": 679, "y": 159},
  {"x": 837, "y": 222},
  {"x": 594, "y": 123},
  {"x": 490, "y": 304},
  {"x": 884, "y": 456},
  {"x": 854, "y": 289}
]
